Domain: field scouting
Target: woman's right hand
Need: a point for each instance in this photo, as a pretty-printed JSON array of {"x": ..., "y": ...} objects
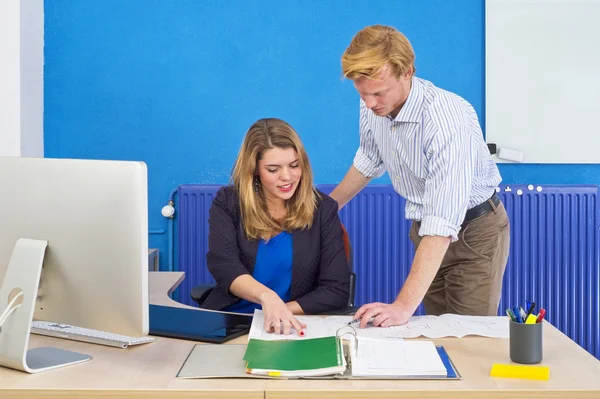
[{"x": 278, "y": 317}]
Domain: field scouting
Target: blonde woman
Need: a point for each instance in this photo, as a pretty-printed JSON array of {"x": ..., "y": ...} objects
[
  {"x": 430, "y": 143},
  {"x": 275, "y": 242}
]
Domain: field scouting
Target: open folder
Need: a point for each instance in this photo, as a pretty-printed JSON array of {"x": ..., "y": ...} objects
[
  {"x": 321, "y": 358},
  {"x": 369, "y": 357}
]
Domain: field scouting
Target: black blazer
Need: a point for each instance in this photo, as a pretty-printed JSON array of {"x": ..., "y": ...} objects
[{"x": 320, "y": 272}]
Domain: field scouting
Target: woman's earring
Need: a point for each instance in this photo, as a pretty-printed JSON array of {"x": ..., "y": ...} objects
[{"x": 256, "y": 184}]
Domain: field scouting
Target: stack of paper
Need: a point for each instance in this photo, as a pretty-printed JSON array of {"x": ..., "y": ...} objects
[{"x": 394, "y": 358}]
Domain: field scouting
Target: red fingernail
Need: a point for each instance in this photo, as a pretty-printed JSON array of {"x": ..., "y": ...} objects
[{"x": 302, "y": 333}]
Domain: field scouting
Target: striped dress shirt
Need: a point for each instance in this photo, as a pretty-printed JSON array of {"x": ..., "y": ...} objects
[{"x": 435, "y": 155}]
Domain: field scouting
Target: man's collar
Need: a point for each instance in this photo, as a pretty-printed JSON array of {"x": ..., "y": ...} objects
[{"x": 413, "y": 107}]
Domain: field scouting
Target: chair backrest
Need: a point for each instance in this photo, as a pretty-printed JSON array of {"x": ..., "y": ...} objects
[
  {"x": 350, "y": 257},
  {"x": 347, "y": 247}
]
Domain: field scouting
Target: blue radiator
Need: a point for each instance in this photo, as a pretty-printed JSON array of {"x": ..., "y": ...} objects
[
  {"x": 554, "y": 257},
  {"x": 191, "y": 215}
]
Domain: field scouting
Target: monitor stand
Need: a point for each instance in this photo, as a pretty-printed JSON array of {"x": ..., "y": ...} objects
[{"x": 23, "y": 275}]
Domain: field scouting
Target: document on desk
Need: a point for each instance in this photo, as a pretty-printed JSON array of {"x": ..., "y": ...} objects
[
  {"x": 316, "y": 327},
  {"x": 446, "y": 325}
]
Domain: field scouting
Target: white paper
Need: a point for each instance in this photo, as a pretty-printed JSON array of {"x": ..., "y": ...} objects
[
  {"x": 316, "y": 327},
  {"x": 446, "y": 325},
  {"x": 387, "y": 358}
]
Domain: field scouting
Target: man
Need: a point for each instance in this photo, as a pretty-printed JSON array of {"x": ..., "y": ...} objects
[{"x": 430, "y": 143}]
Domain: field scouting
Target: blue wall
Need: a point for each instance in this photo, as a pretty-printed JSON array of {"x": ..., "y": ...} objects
[{"x": 177, "y": 83}]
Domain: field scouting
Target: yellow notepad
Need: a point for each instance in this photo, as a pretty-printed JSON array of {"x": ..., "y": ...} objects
[{"x": 517, "y": 371}]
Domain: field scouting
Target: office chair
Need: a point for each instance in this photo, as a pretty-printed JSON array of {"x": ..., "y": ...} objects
[{"x": 200, "y": 292}]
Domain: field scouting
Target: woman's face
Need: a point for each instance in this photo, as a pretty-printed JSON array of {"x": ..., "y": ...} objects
[{"x": 279, "y": 172}]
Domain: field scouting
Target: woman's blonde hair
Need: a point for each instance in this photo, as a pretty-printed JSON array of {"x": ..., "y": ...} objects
[
  {"x": 263, "y": 135},
  {"x": 374, "y": 47}
]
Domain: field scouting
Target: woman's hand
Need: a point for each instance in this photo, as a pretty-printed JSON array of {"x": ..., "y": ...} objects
[{"x": 279, "y": 319}]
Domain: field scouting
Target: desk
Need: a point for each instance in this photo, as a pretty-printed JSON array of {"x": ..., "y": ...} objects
[
  {"x": 143, "y": 372},
  {"x": 148, "y": 371},
  {"x": 574, "y": 373}
]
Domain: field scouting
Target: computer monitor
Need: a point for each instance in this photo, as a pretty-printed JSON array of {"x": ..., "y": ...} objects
[{"x": 94, "y": 216}]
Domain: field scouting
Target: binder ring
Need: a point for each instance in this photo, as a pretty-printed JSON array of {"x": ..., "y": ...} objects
[{"x": 349, "y": 330}]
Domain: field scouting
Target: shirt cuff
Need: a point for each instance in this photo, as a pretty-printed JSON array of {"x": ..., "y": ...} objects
[
  {"x": 366, "y": 166},
  {"x": 436, "y": 226}
]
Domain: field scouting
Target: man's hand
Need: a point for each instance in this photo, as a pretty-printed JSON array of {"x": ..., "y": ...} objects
[
  {"x": 383, "y": 314},
  {"x": 427, "y": 262}
]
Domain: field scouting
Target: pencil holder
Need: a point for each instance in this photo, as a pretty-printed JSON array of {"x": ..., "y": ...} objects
[{"x": 526, "y": 342}]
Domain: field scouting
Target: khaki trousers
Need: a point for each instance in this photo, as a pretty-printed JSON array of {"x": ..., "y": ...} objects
[{"x": 469, "y": 281}]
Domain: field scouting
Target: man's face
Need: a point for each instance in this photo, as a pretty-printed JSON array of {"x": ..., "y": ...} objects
[{"x": 386, "y": 94}]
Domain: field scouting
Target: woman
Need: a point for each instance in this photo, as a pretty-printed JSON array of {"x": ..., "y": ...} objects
[{"x": 275, "y": 242}]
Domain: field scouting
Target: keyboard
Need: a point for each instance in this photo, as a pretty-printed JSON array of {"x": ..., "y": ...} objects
[{"x": 66, "y": 331}]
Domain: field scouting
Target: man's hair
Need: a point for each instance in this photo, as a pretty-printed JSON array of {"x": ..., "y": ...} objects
[
  {"x": 374, "y": 47},
  {"x": 264, "y": 135}
]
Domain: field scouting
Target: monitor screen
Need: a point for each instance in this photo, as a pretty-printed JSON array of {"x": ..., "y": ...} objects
[{"x": 94, "y": 216}]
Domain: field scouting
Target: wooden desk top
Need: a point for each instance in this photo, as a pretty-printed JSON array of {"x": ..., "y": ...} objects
[
  {"x": 148, "y": 371},
  {"x": 574, "y": 373}
]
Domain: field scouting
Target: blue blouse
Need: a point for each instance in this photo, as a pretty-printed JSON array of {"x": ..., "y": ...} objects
[{"x": 273, "y": 268}]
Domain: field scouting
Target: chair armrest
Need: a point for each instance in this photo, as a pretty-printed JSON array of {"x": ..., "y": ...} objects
[
  {"x": 200, "y": 292},
  {"x": 352, "y": 290}
]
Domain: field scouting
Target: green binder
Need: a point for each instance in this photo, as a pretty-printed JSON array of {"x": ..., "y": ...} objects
[{"x": 306, "y": 357}]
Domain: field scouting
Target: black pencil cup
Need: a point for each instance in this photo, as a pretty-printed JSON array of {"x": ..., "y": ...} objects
[{"x": 526, "y": 342}]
